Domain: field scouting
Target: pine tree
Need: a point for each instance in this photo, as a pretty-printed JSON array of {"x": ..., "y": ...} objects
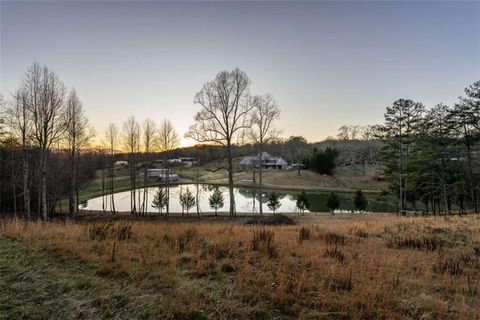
[
  {"x": 402, "y": 123},
  {"x": 333, "y": 202},
  {"x": 360, "y": 201},
  {"x": 302, "y": 201},
  {"x": 273, "y": 201},
  {"x": 187, "y": 200},
  {"x": 216, "y": 200},
  {"x": 160, "y": 199}
]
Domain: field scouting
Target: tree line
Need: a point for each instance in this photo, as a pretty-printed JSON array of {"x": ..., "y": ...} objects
[
  {"x": 431, "y": 155},
  {"x": 46, "y": 151}
]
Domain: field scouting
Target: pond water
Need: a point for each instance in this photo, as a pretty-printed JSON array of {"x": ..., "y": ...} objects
[{"x": 246, "y": 199}]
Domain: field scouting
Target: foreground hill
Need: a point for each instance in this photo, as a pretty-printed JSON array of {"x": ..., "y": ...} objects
[{"x": 350, "y": 267}]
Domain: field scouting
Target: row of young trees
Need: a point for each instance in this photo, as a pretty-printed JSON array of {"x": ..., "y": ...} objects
[
  {"x": 140, "y": 141},
  {"x": 431, "y": 156}
]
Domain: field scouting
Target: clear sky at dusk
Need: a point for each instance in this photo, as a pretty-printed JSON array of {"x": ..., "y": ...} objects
[{"x": 326, "y": 63}]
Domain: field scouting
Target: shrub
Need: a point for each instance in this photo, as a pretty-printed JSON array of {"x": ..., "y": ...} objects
[
  {"x": 302, "y": 202},
  {"x": 335, "y": 253},
  {"x": 227, "y": 268},
  {"x": 448, "y": 265},
  {"x": 334, "y": 238},
  {"x": 263, "y": 241},
  {"x": 360, "y": 201},
  {"x": 361, "y": 233},
  {"x": 429, "y": 243},
  {"x": 341, "y": 283},
  {"x": 184, "y": 239},
  {"x": 187, "y": 200},
  {"x": 333, "y": 202},
  {"x": 108, "y": 230},
  {"x": 273, "y": 201},
  {"x": 303, "y": 234},
  {"x": 323, "y": 161},
  {"x": 216, "y": 200},
  {"x": 99, "y": 230}
]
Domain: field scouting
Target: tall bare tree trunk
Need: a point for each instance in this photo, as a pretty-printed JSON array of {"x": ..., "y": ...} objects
[
  {"x": 230, "y": 182},
  {"x": 43, "y": 184},
  {"x": 260, "y": 180},
  {"x": 71, "y": 193},
  {"x": 112, "y": 187},
  {"x": 14, "y": 188}
]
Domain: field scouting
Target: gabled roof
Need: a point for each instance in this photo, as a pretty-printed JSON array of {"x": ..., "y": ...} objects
[{"x": 248, "y": 160}]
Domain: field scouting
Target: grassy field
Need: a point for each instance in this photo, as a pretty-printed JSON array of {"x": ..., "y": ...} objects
[
  {"x": 325, "y": 267},
  {"x": 344, "y": 179}
]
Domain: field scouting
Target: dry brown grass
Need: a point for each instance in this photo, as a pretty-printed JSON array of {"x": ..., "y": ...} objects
[{"x": 354, "y": 267}]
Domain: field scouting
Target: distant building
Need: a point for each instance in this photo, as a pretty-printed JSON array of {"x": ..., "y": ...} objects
[
  {"x": 162, "y": 175},
  {"x": 184, "y": 161},
  {"x": 267, "y": 162},
  {"x": 379, "y": 176},
  {"x": 120, "y": 163}
]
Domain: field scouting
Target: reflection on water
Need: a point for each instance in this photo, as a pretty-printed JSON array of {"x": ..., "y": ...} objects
[{"x": 246, "y": 199}]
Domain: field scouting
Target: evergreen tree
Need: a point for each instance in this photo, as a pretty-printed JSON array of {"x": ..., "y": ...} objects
[
  {"x": 360, "y": 201},
  {"x": 302, "y": 201},
  {"x": 160, "y": 199},
  {"x": 216, "y": 200},
  {"x": 402, "y": 123},
  {"x": 273, "y": 201},
  {"x": 187, "y": 200},
  {"x": 466, "y": 115},
  {"x": 333, "y": 202},
  {"x": 323, "y": 162}
]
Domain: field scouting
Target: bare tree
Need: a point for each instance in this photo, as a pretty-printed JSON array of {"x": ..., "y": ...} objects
[
  {"x": 2, "y": 140},
  {"x": 131, "y": 137},
  {"x": 46, "y": 105},
  {"x": 264, "y": 112},
  {"x": 167, "y": 140},
  {"x": 79, "y": 134},
  {"x": 225, "y": 104},
  {"x": 297, "y": 147},
  {"x": 149, "y": 133},
  {"x": 20, "y": 127},
  {"x": 111, "y": 140}
]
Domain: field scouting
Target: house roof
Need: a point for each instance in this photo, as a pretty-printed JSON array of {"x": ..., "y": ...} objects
[{"x": 248, "y": 160}]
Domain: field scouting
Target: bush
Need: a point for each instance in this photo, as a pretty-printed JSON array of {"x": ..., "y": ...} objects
[
  {"x": 323, "y": 161},
  {"x": 108, "y": 230},
  {"x": 303, "y": 234},
  {"x": 273, "y": 201},
  {"x": 263, "y": 241},
  {"x": 333, "y": 202},
  {"x": 335, "y": 253},
  {"x": 429, "y": 243},
  {"x": 360, "y": 201},
  {"x": 302, "y": 201}
]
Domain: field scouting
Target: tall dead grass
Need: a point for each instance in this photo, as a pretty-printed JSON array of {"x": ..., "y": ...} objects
[{"x": 364, "y": 267}]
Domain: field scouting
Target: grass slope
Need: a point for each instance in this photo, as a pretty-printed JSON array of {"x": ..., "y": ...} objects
[{"x": 341, "y": 267}]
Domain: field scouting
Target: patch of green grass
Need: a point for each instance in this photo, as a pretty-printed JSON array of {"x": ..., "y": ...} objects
[{"x": 36, "y": 284}]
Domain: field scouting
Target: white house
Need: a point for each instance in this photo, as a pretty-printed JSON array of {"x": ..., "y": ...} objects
[
  {"x": 267, "y": 161},
  {"x": 162, "y": 174},
  {"x": 120, "y": 163}
]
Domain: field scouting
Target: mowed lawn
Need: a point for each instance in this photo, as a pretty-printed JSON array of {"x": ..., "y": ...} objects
[{"x": 325, "y": 267}]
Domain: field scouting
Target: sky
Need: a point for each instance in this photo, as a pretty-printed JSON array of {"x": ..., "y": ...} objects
[{"x": 326, "y": 63}]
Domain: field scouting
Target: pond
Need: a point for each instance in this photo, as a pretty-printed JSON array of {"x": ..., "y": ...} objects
[{"x": 246, "y": 199}]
